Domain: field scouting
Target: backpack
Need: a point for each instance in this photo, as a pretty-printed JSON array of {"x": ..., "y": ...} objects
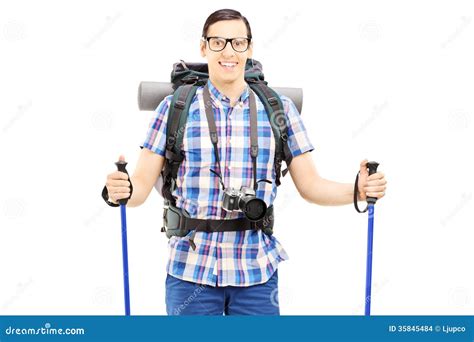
[{"x": 186, "y": 79}]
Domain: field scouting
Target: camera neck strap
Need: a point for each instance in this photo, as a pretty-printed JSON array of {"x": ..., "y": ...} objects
[{"x": 214, "y": 139}]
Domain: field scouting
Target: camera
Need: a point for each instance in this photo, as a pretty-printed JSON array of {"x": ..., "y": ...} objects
[{"x": 244, "y": 200}]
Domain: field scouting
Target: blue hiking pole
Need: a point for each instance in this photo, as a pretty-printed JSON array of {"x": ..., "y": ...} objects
[
  {"x": 372, "y": 166},
  {"x": 123, "y": 204},
  {"x": 368, "y": 280}
]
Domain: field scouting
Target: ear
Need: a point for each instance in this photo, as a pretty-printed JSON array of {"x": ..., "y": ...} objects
[
  {"x": 250, "y": 50},
  {"x": 202, "y": 48}
]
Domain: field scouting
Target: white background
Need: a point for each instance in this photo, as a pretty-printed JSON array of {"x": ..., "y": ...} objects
[{"x": 387, "y": 81}]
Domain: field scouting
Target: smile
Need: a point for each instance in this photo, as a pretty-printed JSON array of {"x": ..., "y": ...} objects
[{"x": 228, "y": 65}]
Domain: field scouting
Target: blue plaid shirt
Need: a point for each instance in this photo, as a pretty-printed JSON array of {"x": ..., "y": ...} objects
[{"x": 241, "y": 258}]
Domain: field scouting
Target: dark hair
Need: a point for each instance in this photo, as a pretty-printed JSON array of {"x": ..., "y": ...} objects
[{"x": 225, "y": 14}]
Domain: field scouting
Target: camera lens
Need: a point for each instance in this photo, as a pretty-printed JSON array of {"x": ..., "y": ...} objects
[{"x": 253, "y": 208}]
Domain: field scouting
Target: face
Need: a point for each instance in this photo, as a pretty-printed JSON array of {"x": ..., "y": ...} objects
[{"x": 226, "y": 66}]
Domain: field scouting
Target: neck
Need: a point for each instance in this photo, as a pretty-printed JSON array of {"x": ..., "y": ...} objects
[{"x": 232, "y": 90}]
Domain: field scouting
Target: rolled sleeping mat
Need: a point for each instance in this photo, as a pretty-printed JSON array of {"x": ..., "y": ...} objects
[{"x": 150, "y": 94}]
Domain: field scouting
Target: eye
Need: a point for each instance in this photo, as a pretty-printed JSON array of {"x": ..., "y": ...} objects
[{"x": 217, "y": 42}]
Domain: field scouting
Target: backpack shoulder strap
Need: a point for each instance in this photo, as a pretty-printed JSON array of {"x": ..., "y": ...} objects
[
  {"x": 276, "y": 115},
  {"x": 177, "y": 118}
]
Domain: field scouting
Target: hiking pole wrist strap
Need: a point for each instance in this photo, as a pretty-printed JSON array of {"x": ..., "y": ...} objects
[
  {"x": 121, "y": 166},
  {"x": 372, "y": 166}
]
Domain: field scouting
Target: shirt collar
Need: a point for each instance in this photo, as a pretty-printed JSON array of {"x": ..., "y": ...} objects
[{"x": 217, "y": 96}]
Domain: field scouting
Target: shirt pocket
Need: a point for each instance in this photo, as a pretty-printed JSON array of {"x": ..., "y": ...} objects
[{"x": 197, "y": 146}]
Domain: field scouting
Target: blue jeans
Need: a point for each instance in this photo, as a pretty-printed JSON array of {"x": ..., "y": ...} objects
[{"x": 187, "y": 298}]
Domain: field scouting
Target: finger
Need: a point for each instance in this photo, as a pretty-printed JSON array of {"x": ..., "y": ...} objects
[
  {"x": 122, "y": 157},
  {"x": 377, "y": 175},
  {"x": 119, "y": 175},
  {"x": 120, "y": 195},
  {"x": 116, "y": 183},
  {"x": 363, "y": 166},
  {"x": 374, "y": 189},
  {"x": 120, "y": 189},
  {"x": 376, "y": 182},
  {"x": 375, "y": 194}
]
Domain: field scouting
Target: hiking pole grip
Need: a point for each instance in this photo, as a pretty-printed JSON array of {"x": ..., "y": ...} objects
[
  {"x": 372, "y": 166},
  {"x": 121, "y": 166}
]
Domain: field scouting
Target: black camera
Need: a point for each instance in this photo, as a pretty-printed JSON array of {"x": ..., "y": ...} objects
[{"x": 245, "y": 201}]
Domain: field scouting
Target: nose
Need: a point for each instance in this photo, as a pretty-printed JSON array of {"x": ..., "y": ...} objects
[{"x": 228, "y": 50}]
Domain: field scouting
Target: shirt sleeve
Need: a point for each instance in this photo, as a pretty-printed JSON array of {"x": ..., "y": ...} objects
[
  {"x": 298, "y": 140},
  {"x": 156, "y": 135}
]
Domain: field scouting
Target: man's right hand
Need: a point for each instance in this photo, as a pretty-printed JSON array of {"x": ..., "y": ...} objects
[{"x": 118, "y": 185}]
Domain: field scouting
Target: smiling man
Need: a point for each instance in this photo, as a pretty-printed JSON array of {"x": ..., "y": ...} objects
[{"x": 231, "y": 271}]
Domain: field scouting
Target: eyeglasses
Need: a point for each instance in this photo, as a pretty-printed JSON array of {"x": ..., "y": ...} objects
[{"x": 217, "y": 44}]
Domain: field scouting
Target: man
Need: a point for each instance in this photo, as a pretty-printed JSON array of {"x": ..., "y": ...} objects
[{"x": 230, "y": 272}]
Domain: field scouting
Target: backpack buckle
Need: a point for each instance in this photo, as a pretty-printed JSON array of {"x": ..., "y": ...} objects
[
  {"x": 179, "y": 104},
  {"x": 190, "y": 79},
  {"x": 273, "y": 101},
  {"x": 171, "y": 140}
]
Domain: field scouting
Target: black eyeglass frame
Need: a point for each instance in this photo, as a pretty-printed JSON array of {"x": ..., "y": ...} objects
[{"x": 228, "y": 40}]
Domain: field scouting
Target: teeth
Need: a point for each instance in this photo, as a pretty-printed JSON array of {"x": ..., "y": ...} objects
[{"x": 228, "y": 64}]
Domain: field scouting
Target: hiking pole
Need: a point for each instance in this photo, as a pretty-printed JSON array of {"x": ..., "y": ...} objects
[
  {"x": 368, "y": 280},
  {"x": 123, "y": 214},
  {"x": 372, "y": 166}
]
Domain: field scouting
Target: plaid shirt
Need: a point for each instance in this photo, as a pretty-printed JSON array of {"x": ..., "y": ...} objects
[{"x": 240, "y": 258}]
